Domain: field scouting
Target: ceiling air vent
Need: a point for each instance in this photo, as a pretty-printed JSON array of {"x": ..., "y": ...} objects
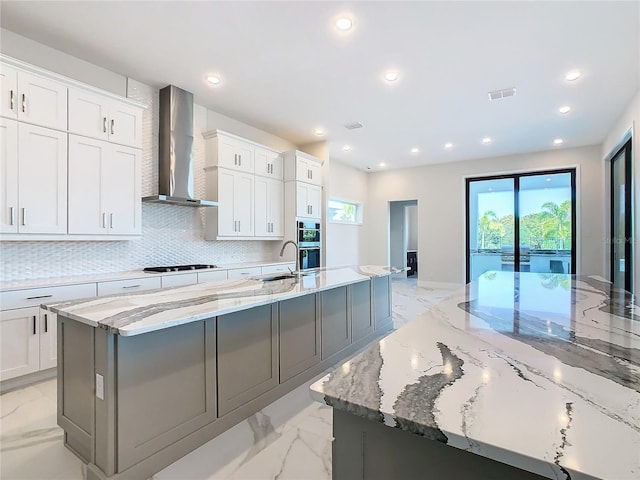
[
  {"x": 353, "y": 125},
  {"x": 504, "y": 93}
]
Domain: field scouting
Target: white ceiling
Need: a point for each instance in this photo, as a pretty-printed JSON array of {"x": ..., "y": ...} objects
[{"x": 287, "y": 70}]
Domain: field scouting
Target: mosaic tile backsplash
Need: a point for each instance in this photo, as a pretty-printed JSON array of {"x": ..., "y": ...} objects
[{"x": 170, "y": 234}]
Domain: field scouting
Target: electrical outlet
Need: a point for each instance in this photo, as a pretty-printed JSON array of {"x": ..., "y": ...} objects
[{"x": 99, "y": 386}]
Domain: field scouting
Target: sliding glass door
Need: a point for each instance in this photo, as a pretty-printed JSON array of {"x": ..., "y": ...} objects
[{"x": 522, "y": 223}]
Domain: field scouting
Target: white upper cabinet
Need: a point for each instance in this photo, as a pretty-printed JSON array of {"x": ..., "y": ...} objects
[
  {"x": 42, "y": 180},
  {"x": 32, "y": 98},
  {"x": 8, "y": 176},
  {"x": 302, "y": 167},
  {"x": 308, "y": 200},
  {"x": 229, "y": 151},
  {"x": 234, "y": 217},
  {"x": 99, "y": 116},
  {"x": 269, "y": 204},
  {"x": 104, "y": 188},
  {"x": 268, "y": 163}
]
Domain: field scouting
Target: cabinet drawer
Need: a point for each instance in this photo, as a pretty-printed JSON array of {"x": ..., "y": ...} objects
[
  {"x": 179, "y": 280},
  {"x": 34, "y": 297},
  {"x": 127, "y": 286},
  {"x": 212, "y": 276},
  {"x": 278, "y": 268},
  {"x": 243, "y": 272}
]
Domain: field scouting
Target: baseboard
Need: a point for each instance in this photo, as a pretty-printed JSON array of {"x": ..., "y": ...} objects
[
  {"x": 432, "y": 284},
  {"x": 26, "y": 380}
]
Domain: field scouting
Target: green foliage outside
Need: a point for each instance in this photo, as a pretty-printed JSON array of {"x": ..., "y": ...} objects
[{"x": 549, "y": 229}]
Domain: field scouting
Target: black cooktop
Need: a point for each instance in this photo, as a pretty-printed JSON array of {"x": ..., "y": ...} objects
[{"x": 178, "y": 268}]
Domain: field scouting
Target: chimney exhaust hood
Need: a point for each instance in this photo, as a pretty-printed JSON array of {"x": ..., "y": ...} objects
[{"x": 175, "y": 170}]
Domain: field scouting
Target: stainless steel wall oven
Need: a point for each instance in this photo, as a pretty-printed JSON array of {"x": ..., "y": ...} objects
[{"x": 309, "y": 244}]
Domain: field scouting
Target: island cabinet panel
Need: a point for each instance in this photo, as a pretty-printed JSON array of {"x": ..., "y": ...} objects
[
  {"x": 247, "y": 356},
  {"x": 361, "y": 315},
  {"x": 382, "y": 302},
  {"x": 299, "y": 336},
  {"x": 165, "y": 388},
  {"x": 336, "y": 321}
]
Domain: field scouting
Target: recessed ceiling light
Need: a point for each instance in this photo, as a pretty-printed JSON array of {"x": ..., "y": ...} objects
[
  {"x": 558, "y": 141},
  {"x": 487, "y": 140},
  {"x": 548, "y": 179},
  {"x": 564, "y": 109},
  {"x": 213, "y": 79},
  {"x": 347, "y": 148},
  {"x": 490, "y": 189},
  {"x": 448, "y": 146},
  {"x": 572, "y": 76},
  {"x": 382, "y": 164},
  {"x": 318, "y": 131},
  {"x": 391, "y": 76},
  {"x": 344, "y": 23},
  {"x": 415, "y": 150}
]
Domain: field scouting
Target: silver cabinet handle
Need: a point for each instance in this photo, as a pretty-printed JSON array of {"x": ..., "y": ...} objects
[
  {"x": 235, "y": 158},
  {"x": 11, "y": 215},
  {"x": 24, "y": 103},
  {"x": 311, "y": 173},
  {"x": 46, "y": 323},
  {"x": 113, "y": 122},
  {"x": 239, "y": 228},
  {"x": 39, "y": 296},
  {"x": 111, "y": 220},
  {"x": 311, "y": 209},
  {"x": 34, "y": 326},
  {"x": 104, "y": 219},
  {"x": 12, "y": 99},
  {"x": 239, "y": 160},
  {"x": 132, "y": 286},
  {"x": 104, "y": 124},
  {"x": 24, "y": 216}
]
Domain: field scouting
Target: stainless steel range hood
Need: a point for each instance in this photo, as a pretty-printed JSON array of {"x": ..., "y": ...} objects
[{"x": 175, "y": 175}]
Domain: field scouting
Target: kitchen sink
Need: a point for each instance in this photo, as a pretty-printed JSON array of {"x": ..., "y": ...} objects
[{"x": 282, "y": 276}]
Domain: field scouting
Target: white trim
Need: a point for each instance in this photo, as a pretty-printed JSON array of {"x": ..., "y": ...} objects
[
  {"x": 26, "y": 237},
  {"x": 432, "y": 284}
]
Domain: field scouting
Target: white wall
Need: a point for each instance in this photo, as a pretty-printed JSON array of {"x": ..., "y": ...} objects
[
  {"x": 411, "y": 213},
  {"x": 344, "y": 242},
  {"x": 440, "y": 191},
  {"x": 629, "y": 120}
]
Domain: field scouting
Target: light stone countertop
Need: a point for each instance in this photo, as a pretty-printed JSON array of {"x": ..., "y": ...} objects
[
  {"x": 137, "y": 313},
  {"x": 126, "y": 275},
  {"x": 538, "y": 371}
]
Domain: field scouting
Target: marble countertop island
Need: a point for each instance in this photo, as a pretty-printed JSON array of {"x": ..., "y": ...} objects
[
  {"x": 537, "y": 371},
  {"x": 137, "y": 313}
]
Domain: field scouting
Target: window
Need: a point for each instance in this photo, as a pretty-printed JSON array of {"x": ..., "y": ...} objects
[{"x": 341, "y": 211}]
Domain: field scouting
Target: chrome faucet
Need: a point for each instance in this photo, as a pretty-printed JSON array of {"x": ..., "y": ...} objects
[{"x": 297, "y": 272}]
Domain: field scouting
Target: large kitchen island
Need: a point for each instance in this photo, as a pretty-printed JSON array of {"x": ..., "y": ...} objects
[
  {"x": 145, "y": 378},
  {"x": 518, "y": 376}
]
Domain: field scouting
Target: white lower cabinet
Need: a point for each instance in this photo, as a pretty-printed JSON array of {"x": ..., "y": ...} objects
[
  {"x": 243, "y": 272},
  {"x": 128, "y": 286},
  {"x": 234, "y": 192},
  {"x": 212, "y": 276},
  {"x": 269, "y": 207},
  {"x": 179, "y": 280},
  {"x": 28, "y": 339},
  {"x": 104, "y": 187}
]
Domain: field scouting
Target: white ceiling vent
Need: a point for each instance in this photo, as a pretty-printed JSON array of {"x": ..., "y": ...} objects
[
  {"x": 353, "y": 125},
  {"x": 504, "y": 93}
]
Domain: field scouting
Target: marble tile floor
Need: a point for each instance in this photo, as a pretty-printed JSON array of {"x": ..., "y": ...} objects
[{"x": 289, "y": 439}]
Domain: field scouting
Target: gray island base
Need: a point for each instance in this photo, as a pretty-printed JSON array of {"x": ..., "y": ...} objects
[{"x": 135, "y": 395}]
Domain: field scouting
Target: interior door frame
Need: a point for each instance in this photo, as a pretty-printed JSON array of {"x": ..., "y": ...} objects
[
  {"x": 628, "y": 214},
  {"x": 516, "y": 214}
]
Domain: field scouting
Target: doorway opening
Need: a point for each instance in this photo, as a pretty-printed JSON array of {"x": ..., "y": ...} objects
[
  {"x": 403, "y": 236},
  {"x": 621, "y": 253}
]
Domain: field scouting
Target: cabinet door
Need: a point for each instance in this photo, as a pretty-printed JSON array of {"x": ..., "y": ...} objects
[
  {"x": 276, "y": 207},
  {"x": 227, "y": 225},
  {"x": 19, "y": 341},
  {"x": 42, "y": 101},
  {"x": 48, "y": 339},
  {"x": 8, "y": 176},
  {"x": 235, "y": 154},
  {"x": 247, "y": 356},
  {"x": 361, "y": 315},
  {"x": 88, "y": 114},
  {"x": 315, "y": 173},
  {"x": 299, "y": 336},
  {"x": 314, "y": 199},
  {"x": 336, "y": 321},
  {"x": 179, "y": 280},
  {"x": 302, "y": 170},
  {"x": 302, "y": 204},
  {"x": 121, "y": 190},
  {"x": 261, "y": 211},
  {"x": 268, "y": 163},
  {"x": 125, "y": 124},
  {"x": 42, "y": 180},
  {"x": 243, "y": 204},
  {"x": 87, "y": 214},
  {"x": 8, "y": 91}
]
